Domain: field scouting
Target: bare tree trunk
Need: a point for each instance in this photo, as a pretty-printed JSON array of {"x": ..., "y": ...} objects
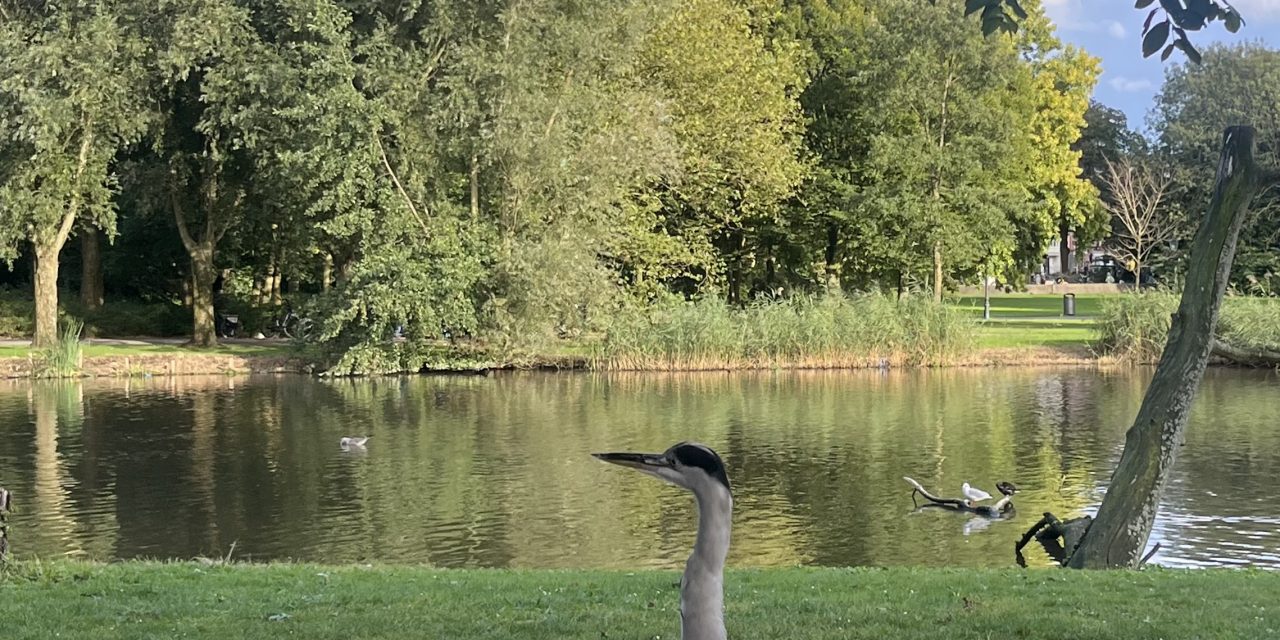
[
  {"x": 475, "y": 187},
  {"x": 1120, "y": 531},
  {"x": 326, "y": 272},
  {"x": 833, "y": 238},
  {"x": 275, "y": 281},
  {"x": 91, "y": 294},
  {"x": 46, "y": 293},
  {"x": 202, "y": 313},
  {"x": 937, "y": 271},
  {"x": 1064, "y": 249}
]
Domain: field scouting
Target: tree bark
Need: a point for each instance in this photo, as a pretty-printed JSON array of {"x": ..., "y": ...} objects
[
  {"x": 204, "y": 333},
  {"x": 1064, "y": 248},
  {"x": 326, "y": 272},
  {"x": 91, "y": 294},
  {"x": 937, "y": 271},
  {"x": 833, "y": 239},
  {"x": 201, "y": 251},
  {"x": 46, "y": 293},
  {"x": 1251, "y": 357},
  {"x": 1120, "y": 531},
  {"x": 475, "y": 187}
]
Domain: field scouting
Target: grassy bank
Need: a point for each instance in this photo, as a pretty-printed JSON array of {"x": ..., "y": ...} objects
[
  {"x": 828, "y": 332},
  {"x": 140, "y": 359},
  {"x": 148, "y": 600}
]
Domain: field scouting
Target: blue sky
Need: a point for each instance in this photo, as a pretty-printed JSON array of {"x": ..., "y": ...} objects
[{"x": 1112, "y": 31}]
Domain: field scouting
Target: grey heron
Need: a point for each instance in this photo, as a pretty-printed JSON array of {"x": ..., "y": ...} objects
[
  {"x": 700, "y": 470},
  {"x": 973, "y": 494}
]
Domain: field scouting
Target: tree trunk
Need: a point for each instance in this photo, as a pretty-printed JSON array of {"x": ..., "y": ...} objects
[
  {"x": 1064, "y": 249},
  {"x": 937, "y": 271},
  {"x": 833, "y": 237},
  {"x": 326, "y": 272},
  {"x": 1247, "y": 356},
  {"x": 276, "y": 283},
  {"x": 46, "y": 294},
  {"x": 91, "y": 294},
  {"x": 1120, "y": 530},
  {"x": 475, "y": 187},
  {"x": 202, "y": 276}
]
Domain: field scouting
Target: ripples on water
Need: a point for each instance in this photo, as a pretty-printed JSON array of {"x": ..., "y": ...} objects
[{"x": 466, "y": 471}]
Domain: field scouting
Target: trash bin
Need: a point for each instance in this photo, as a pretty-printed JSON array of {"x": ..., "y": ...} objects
[{"x": 1069, "y": 304}]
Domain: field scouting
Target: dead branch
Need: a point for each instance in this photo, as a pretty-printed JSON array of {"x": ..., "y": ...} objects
[
  {"x": 999, "y": 509},
  {"x": 1251, "y": 357},
  {"x": 377, "y": 138},
  {"x": 1058, "y": 537}
]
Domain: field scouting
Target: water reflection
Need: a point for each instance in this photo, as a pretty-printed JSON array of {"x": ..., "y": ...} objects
[{"x": 472, "y": 471}]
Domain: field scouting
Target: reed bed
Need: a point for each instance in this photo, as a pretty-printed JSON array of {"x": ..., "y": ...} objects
[
  {"x": 828, "y": 332},
  {"x": 1134, "y": 328}
]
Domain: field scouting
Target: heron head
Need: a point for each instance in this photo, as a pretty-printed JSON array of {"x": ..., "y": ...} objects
[{"x": 687, "y": 464}]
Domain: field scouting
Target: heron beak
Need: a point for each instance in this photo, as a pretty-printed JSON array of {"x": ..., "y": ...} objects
[{"x": 649, "y": 462}]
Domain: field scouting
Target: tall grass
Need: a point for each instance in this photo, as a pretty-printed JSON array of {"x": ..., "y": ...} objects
[
  {"x": 831, "y": 331},
  {"x": 1135, "y": 327},
  {"x": 64, "y": 358}
]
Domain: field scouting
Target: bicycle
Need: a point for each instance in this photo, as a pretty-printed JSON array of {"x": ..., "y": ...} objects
[{"x": 290, "y": 325}]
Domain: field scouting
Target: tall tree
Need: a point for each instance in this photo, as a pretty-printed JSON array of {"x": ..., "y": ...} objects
[
  {"x": 1118, "y": 535},
  {"x": 1063, "y": 78},
  {"x": 944, "y": 173},
  {"x": 738, "y": 159},
  {"x": 72, "y": 94},
  {"x": 1191, "y": 106}
]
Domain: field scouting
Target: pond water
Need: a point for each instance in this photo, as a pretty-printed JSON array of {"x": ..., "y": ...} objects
[{"x": 495, "y": 472}]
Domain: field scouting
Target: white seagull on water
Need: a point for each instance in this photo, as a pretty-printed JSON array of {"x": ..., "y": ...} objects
[
  {"x": 973, "y": 494},
  {"x": 350, "y": 441}
]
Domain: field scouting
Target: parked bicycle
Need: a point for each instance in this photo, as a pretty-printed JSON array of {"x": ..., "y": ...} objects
[{"x": 290, "y": 325}]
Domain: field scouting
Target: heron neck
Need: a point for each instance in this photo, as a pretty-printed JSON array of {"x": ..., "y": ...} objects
[
  {"x": 715, "y": 521},
  {"x": 702, "y": 589}
]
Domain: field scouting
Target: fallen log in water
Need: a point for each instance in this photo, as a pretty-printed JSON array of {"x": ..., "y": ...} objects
[
  {"x": 1058, "y": 537},
  {"x": 1250, "y": 357},
  {"x": 999, "y": 509}
]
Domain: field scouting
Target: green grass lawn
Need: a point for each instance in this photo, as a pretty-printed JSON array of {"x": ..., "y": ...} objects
[
  {"x": 1033, "y": 320},
  {"x": 90, "y": 350},
  {"x": 1036, "y": 333},
  {"x": 147, "y": 600},
  {"x": 1028, "y": 305}
]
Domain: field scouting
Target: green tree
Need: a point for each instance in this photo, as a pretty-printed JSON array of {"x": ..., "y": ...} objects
[
  {"x": 72, "y": 94},
  {"x": 1063, "y": 79},
  {"x": 738, "y": 158},
  {"x": 1191, "y": 111},
  {"x": 945, "y": 170}
]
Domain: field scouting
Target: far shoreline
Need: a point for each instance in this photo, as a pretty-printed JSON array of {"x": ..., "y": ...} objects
[{"x": 181, "y": 362}]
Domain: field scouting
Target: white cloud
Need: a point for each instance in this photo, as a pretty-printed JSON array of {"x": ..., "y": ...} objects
[
  {"x": 1130, "y": 85},
  {"x": 1116, "y": 30}
]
